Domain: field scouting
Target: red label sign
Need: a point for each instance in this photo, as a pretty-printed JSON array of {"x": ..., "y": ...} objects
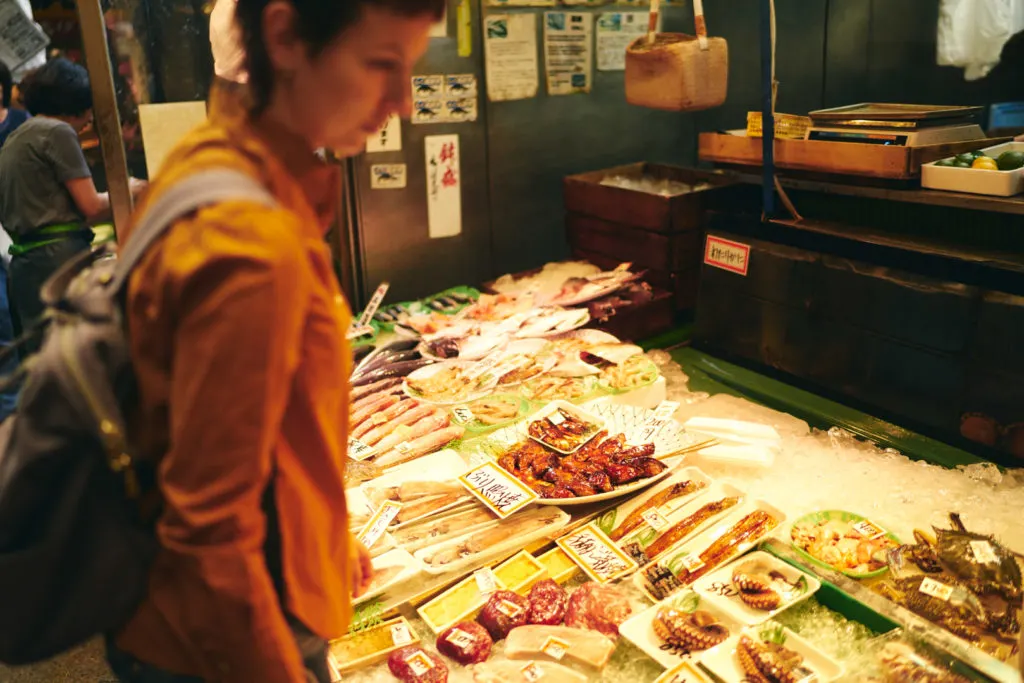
[{"x": 727, "y": 255}]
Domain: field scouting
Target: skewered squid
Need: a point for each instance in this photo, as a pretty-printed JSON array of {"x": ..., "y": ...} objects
[{"x": 695, "y": 631}]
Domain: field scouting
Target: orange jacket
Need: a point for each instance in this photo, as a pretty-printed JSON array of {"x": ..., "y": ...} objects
[{"x": 237, "y": 331}]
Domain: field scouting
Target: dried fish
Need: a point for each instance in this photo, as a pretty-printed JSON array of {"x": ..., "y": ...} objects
[
  {"x": 684, "y": 528},
  {"x": 636, "y": 517}
]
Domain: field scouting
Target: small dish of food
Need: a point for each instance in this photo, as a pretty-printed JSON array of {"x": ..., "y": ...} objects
[{"x": 563, "y": 427}]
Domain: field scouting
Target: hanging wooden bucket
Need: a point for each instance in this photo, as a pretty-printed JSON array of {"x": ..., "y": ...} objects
[{"x": 678, "y": 72}]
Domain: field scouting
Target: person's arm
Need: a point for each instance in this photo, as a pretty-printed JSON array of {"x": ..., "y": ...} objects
[
  {"x": 65, "y": 154},
  {"x": 93, "y": 205},
  {"x": 236, "y": 349}
]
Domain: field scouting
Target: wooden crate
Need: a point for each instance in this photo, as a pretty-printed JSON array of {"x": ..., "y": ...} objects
[
  {"x": 644, "y": 248},
  {"x": 585, "y": 195},
  {"x": 838, "y": 158}
]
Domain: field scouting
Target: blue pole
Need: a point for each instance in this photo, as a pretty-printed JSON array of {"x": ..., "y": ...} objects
[{"x": 767, "y": 120}]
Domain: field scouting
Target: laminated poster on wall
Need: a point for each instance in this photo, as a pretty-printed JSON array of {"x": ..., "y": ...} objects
[
  {"x": 444, "y": 186},
  {"x": 510, "y": 47},
  {"x": 388, "y": 138},
  {"x": 440, "y": 98},
  {"x": 615, "y": 31},
  {"x": 387, "y": 177},
  {"x": 20, "y": 38},
  {"x": 428, "y": 98},
  {"x": 567, "y": 52}
]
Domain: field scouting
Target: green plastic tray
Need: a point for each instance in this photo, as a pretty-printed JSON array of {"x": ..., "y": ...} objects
[{"x": 842, "y": 516}]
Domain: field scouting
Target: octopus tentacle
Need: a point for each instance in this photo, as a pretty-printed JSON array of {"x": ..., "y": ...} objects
[{"x": 765, "y": 601}]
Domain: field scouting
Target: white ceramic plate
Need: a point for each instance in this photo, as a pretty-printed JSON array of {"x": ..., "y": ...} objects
[
  {"x": 472, "y": 391},
  {"x": 639, "y": 630},
  {"x": 632, "y": 421},
  {"x": 722, "y": 660},
  {"x": 792, "y": 584}
]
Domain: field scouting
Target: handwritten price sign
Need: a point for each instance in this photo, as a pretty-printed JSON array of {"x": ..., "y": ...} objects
[
  {"x": 380, "y": 521},
  {"x": 596, "y": 555},
  {"x": 497, "y": 489}
]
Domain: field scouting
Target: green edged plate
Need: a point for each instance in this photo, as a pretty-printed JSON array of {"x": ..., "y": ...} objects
[{"x": 837, "y": 516}]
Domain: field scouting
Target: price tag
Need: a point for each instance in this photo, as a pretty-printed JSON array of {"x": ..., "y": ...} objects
[
  {"x": 691, "y": 562},
  {"x": 596, "y": 554},
  {"x": 400, "y": 634},
  {"x": 403, "y": 448},
  {"x": 805, "y": 675},
  {"x": 357, "y": 450},
  {"x": 371, "y": 308},
  {"x": 868, "y": 529},
  {"x": 496, "y": 488},
  {"x": 936, "y": 589},
  {"x": 463, "y": 415},
  {"x": 532, "y": 672},
  {"x": 983, "y": 552},
  {"x": 483, "y": 367},
  {"x": 509, "y": 608},
  {"x": 460, "y": 639},
  {"x": 419, "y": 663},
  {"x": 556, "y": 418},
  {"x": 555, "y": 648},
  {"x": 655, "y": 520},
  {"x": 485, "y": 581},
  {"x": 379, "y": 522},
  {"x": 378, "y": 418}
]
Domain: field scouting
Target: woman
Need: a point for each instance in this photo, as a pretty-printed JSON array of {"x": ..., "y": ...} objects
[
  {"x": 236, "y": 325},
  {"x": 10, "y": 118},
  {"x": 47, "y": 195}
]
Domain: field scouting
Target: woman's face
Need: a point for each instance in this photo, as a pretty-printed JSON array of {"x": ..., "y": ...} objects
[{"x": 344, "y": 94}]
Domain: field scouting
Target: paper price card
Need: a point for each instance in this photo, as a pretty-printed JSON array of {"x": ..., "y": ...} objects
[
  {"x": 983, "y": 552},
  {"x": 684, "y": 672},
  {"x": 555, "y": 648},
  {"x": 665, "y": 410},
  {"x": 654, "y": 520},
  {"x": 532, "y": 672},
  {"x": 936, "y": 589},
  {"x": 400, "y": 634},
  {"x": 379, "y": 522},
  {"x": 868, "y": 529},
  {"x": 463, "y": 415},
  {"x": 496, "y": 488},
  {"x": 460, "y": 639},
  {"x": 375, "y": 301},
  {"x": 596, "y": 554},
  {"x": 419, "y": 663},
  {"x": 357, "y": 450},
  {"x": 485, "y": 581}
]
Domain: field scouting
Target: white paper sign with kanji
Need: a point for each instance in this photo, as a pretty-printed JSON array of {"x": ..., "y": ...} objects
[
  {"x": 388, "y": 138},
  {"x": 444, "y": 186}
]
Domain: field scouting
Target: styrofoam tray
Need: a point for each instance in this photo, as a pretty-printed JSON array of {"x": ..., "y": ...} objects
[
  {"x": 639, "y": 630},
  {"x": 724, "y": 663},
  {"x": 976, "y": 180},
  {"x": 717, "y": 588},
  {"x": 406, "y": 565}
]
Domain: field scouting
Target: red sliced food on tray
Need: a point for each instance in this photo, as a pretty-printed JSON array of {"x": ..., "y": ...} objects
[
  {"x": 413, "y": 664},
  {"x": 503, "y": 612},
  {"x": 548, "y": 603},
  {"x": 598, "y": 608},
  {"x": 467, "y": 643}
]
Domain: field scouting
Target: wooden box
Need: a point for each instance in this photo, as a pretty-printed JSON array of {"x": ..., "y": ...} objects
[
  {"x": 663, "y": 235},
  {"x": 837, "y": 158}
]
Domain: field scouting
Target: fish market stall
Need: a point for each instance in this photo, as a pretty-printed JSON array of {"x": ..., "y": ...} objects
[{"x": 545, "y": 500}]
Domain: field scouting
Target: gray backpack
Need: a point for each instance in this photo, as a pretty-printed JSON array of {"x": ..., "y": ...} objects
[{"x": 75, "y": 550}]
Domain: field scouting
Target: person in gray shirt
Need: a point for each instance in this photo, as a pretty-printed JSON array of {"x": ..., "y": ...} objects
[{"x": 47, "y": 194}]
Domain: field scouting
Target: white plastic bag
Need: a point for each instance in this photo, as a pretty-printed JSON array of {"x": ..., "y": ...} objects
[{"x": 972, "y": 33}]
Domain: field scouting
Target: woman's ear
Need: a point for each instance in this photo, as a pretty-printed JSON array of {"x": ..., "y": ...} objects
[{"x": 285, "y": 50}]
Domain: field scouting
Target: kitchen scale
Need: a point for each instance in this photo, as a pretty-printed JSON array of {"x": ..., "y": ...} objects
[{"x": 902, "y": 125}]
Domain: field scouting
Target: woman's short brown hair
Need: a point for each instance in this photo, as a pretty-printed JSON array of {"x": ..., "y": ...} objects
[{"x": 319, "y": 23}]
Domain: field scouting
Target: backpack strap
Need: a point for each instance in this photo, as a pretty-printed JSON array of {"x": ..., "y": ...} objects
[{"x": 190, "y": 195}]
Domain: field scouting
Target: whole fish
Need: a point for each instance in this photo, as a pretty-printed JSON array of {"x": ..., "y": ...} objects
[
  {"x": 438, "y": 419},
  {"x": 384, "y": 417},
  {"x": 385, "y": 359},
  {"x": 361, "y": 403},
  {"x": 636, "y": 517},
  {"x": 411, "y": 416},
  {"x": 425, "y": 445},
  {"x": 382, "y": 403},
  {"x": 394, "y": 370},
  {"x": 367, "y": 389}
]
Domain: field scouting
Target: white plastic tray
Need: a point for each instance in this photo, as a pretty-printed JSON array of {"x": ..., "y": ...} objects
[{"x": 976, "y": 180}]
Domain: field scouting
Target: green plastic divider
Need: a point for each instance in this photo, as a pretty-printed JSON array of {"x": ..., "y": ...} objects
[{"x": 714, "y": 376}]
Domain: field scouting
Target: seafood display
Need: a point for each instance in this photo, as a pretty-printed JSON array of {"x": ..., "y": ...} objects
[
  {"x": 843, "y": 541},
  {"x": 755, "y": 582},
  {"x": 449, "y": 383},
  {"x": 580, "y": 290},
  {"x": 598, "y": 467},
  {"x": 548, "y": 603},
  {"x": 768, "y": 662},
  {"x": 679, "y": 531},
  {"x": 671, "y": 573},
  {"x": 503, "y": 612},
  {"x": 415, "y": 664},
  {"x": 688, "y": 632},
  {"x": 667, "y": 495},
  {"x": 598, "y": 608},
  {"x": 517, "y": 672},
  {"x": 563, "y": 430},
  {"x": 902, "y": 664},
  {"x": 550, "y": 388},
  {"x": 466, "y": 642},
  {"x": 496, "y": 410},
  {"x": 573, "y": 644},
  {"x": 633, "y": 373}
]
